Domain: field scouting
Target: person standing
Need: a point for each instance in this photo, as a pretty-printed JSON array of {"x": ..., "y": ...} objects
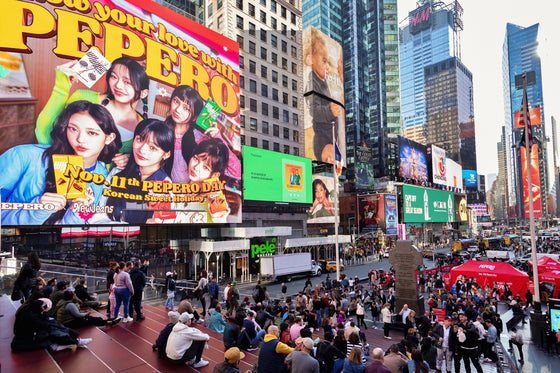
[
  {"x": 491, "y": 338},
  {"x": 360, "y": 311},
  {"x": 123, "y": 291},
  {"x": 138, "y": 279},
  {"x": 170, "y": 282},
  {"x": 284, "y": 291},
  {"x": 27, "y": 277},
  {"x": 110, "y": 281},
  {"x": 201, "y": 289},
  {"x": 301, "y": 361},
  {"x": 442, "y": 333},
  {"x": 213, "y": 290},
  {"x": 386, "y": 313},
  {"x": 467, "y": 337}
]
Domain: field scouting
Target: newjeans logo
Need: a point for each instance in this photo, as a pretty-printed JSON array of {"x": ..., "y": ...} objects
[{"x": 268, "y": 248}]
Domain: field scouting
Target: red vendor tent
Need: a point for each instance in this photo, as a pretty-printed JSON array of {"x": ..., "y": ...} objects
[
  {"x": 545, "y": 264},
  {"x": 554, "y": 278},
  {"x": 486, "y": 273}
]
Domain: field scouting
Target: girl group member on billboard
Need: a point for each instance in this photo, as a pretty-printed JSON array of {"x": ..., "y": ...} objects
[
  {"x": 151, "y": 149},
  {"x": 27, "y": 171},
  {"x": 185, "y": 107},
  {"x": 322, "y": 205},
  {"x": 127, "y": 83}
]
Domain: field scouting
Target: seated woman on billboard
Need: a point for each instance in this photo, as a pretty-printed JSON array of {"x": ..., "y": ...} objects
[
  {"x": 185, "y": 107},
  {"x": 127, "y": 84},
  {"x": 28, "y": 172},
  {"x": 322, "y": 205}
]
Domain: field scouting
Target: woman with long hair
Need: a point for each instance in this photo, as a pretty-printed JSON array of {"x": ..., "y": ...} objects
[
  {"x": 201, "y": 290},
  {"x": 123, "y": 290},
  {"x": 126, "y": 84},
  {"x": 27, "y": 279},
  {"x": 353, "y": 363},
  {"x": 417, "y": 364},
  {"x": 28, "y": 171}
]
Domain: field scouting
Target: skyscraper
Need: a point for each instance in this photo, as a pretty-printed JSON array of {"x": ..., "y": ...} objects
[{"x": 520, "y": 57}]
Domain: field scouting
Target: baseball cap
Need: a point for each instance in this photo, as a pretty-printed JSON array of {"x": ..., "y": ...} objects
[
  {"x": 448, "y": 318},
  {"x": 233, "y": 355},
  {"x": 185, "y": 316},
  {"x": 234, "y": 282},
  {"x": 460, "y": 313},
  {"x": 173, "y": 316},
  {"x": 308, "y": 343},
  {"x": 169, "y": 274}
]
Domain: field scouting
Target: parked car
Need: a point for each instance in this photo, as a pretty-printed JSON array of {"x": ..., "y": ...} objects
[{"x": 331, "y": 266}]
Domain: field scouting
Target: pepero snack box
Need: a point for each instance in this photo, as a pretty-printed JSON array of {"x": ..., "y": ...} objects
[{"x": 66, "y": 167}]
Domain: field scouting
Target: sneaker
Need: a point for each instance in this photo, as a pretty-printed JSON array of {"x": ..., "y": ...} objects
[
  {"x": 154, "y": 347},
  {"x": 252, "y": 348},
  {"x": 192, "y": 361},
  {"x": 114, "y": 322},
  {"x": 140, "y": 317},
  {"x": 200, "y": 364},
  {"x": 387, "y": 337},
  {"x": 199, "y": 321},
  {"x": 55, "y": 347},
  {"x": 84, "y": 341},
  {"x": 128, "y": 319},
  {"x": 125, "y": 319}
]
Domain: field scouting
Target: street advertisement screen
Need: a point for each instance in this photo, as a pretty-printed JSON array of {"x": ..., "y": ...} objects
[
  {"x": 276, "y": 177},
  {"x": 129, "y": 115},
  {"x": 322, "y": 210},
  {"x": 391, "y": 214},
  {"x": 535, "y": 181},
  {"x": 461, "y": 208},
  {"x": 323, "y": 82},
  {"x": 364, "y": 166},
  {"x": 454, "y": 174},
  {"x": 424, "y": 205},
  {"x": 439, "y": 169},
  {"x": 372, "y": 212},
  {"x": 471, "y": 178},
  {"x": 412, "y": 160}
]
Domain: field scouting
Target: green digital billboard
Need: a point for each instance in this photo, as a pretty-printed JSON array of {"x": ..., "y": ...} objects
[
  {"x": 423, "y": 205},
  {"x": 276, "y": 177}
]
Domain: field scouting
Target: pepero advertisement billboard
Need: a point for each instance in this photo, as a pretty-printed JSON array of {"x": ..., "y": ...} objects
[
  {"x": 129, "y": 113},
  {"x": 323, "y": 82}
]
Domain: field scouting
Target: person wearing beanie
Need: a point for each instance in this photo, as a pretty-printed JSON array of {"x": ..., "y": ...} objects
[
  {"x": 161, "y": 341},
  {"x": 301, "y": 361},
  {"x": 232, "y": 358},
  {"x": 186, "y": 344}
]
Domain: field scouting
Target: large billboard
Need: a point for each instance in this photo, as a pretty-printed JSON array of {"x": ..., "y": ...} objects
[
  {"x": 95, "y": 70},
  {"x": 535, "y": 196},
  {"x": 285, "y": 178},
  {"x": 471, "y": 178},
  {"x": 423, "y": 205},
  {"x": 322, "y": 210},
  {"x": 323, "y": 81},
  {"x": 391, "y": 214},
  {"x": 413, "y": 162},
  {"x": 364, "y": 168},
  {"x": 372, "y": 212},
  {"x": 454, "y": 174},
  {"x": 439, "y": 169}
]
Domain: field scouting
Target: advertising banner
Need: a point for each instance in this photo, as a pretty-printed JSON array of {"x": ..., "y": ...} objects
[
  {"x": 372, "y": 212},
  {"x": 286, "y": 178},
  {"x": 471, "y": 178},
  {"x": 137, "y": 115},
  {"x": 461, "y": 209},
  {"x": 454, "y": 174},
  {"x": 535, "y": 181},
  {"x": 412, "y": 160},
  {"x": 439, "y": 169},
  {"x": 323, "y": 82},
  {"x": 422, "y": 205},
  {"x": 535, "y": 117},
  {"x": 260, "y": 246},
  {"x": 391, "y": 214},
  {"x": 364, "y": 167},
  {"x": 322, "y": 210}
]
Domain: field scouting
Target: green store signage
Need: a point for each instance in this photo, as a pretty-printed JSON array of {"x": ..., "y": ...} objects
[
  {"x": 268, "y": 248},
  {"x": 423, "y": 205}
]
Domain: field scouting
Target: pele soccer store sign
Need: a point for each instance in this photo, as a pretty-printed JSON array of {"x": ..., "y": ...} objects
[
  {"x": 261, "y": 246},
  {"x": 126, "y": 59},
  {"x": 423, "y": 205}
]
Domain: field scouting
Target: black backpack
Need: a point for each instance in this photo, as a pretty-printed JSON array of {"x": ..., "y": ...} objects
[{"x": 319, "y": 355}]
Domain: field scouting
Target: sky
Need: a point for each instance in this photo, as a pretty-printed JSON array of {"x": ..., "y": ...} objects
[{"x": 482, "y": 38}]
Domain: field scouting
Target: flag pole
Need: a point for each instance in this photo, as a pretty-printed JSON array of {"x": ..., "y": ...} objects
[
  {"x": 336, "y": 223},
  {"x": 528, "y": 146}
]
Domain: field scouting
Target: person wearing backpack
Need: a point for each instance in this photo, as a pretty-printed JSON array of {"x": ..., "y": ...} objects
[
  {"x": 233, "y": 297},
  {"x": 258, "y": 293},
  {"x": 326, "y": 353}
]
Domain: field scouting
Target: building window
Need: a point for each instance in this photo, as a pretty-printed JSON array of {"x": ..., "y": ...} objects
[
  {"x": 286, "y": 116},
  {"x": 274, "y": 58},
  {"x": 264, "y": 90},
  {"x": 274, "y": 41},
  {"x": 286, "y": 149},
  {"x": 294, "y": 51},
  {"x": 295, "y": 135},
  {"x": 242, "y": 121},
  {"x": 275, "y": 130},
  {"x": 286, "y": 133},
  {"x": 284, "y": 98},
  {"x": 263, "y": 35},
  {"x": 274, "y": 94},
  {"x": 240, "y": 41},
  {"x": 284, "y": 63},
  {"x": 264, "y": 108},
  {"x": 242, "y": 81},
  {"x": 242, "y": 139},
  {"x": 293, "y": 18},
  {"x": 294, "y": 102},
  {"x": 275, "y": 112},
  {"x": 263, "y": 17},
  {"x": 284, "y": 30},
  {"x": 219, "y": 21},
  {"x": 294, "y": 68},
  {"x": 273, "y": 5},
  {"x": 274, "y": 76},
  {"x": 253, "y": 105},
  {"x": 284, "y": 46},
  {"x": 253, "y": 124},
  {"x": 240, "y": 22},
  {"x": 284, "y": 81},
  {"x": 210, "y": 10},
  {"x": 294, "y": 85},
  {"x": 264, "y": 71},
  {"x": 265, "y": 127},
  {"x": 241, "y": 62},
  {"x": 252, "y": 67},
  {"x": 252, "y": 86},
  {"x": 283, "y": 11},
  {"x": 263, "y": 53},
  {"x": 273, "y": 23},
  {"x": 219, "y": 4},
  {"x": 239, "y": 4},
  {"x": 241, "y": 101},
  {"x": 251, "y": 10},
  {"x": 296, "y": 151},
  {"x": 263, "y": 2},
  {"x": 276, "y": 147},
  {"x": 251, "y": 47},
  {"x": 254, "y": 142},
  {"x": 265, "y": 144},
  {"x": 295, "y": 120},
  {"x": 252, "y": 29},
  {"x": 293, "y": 34}
]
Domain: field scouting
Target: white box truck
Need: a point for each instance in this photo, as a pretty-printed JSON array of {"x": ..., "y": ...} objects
[{"x": 284, "y": 267}]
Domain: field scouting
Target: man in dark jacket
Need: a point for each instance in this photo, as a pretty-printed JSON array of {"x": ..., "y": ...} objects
[
  {"x": 161, "y": 341},
  {"x": 467, "y": 337},
  {"x": 138, "y": 279},
  {"x": 84, "y": 296},
  {"x": 327, "y": 353}
]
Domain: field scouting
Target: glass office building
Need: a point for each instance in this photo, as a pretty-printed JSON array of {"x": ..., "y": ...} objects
[{"x": 520, "y": 57}]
